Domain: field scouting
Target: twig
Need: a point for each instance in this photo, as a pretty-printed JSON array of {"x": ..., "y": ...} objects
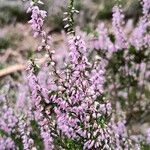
[
  {"x": 12, "y": 69},
  {"x": 18, "y": 67}
]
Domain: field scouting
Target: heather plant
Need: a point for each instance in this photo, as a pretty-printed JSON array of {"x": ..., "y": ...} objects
[
  {"x": 127, "y": 57},
  {"x": 88, "y": 100},
  {"x": 74, "y": 114},
  {"x": 79, "y": 83}
]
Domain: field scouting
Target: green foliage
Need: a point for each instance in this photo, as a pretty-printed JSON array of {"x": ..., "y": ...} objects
[
  {"x": 102, "y": 121},
  {"x": 122, "y": 102},
  {"x": 1, "y": 66},
  {"x": 70, "y": 15},
  {"x": 18, "y": 141},
  {"x": 30, "y": 54},
  {"x": 68, "y": 144},
  {"x": 56, "y": 21},
  {"x": 112, "y": 38},
  {"x": 145, "y": 147},
  {"x": 4, "y": 43},
  {"x": 147, "y": 93},
  {"x": 73, "y": 145},
  {"x": 35, "y": 67},
  {"x": 35, "y": 135},
  {"x": 9, "y": 40},
  {"x": 9, "y": 14},
  {"x": 138, "y": 55},
  {"x": 3, "y": 133},
  {"x": 117, "y": 61},
  {"x": 105, "y": 13}
]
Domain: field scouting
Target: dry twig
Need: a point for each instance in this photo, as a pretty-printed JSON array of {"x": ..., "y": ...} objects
[{"x": 19, "y": 67}]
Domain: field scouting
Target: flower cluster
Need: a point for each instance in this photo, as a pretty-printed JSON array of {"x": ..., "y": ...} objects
[
  {"x": 37, "y": 19},
  {"x": 146, "y": 7},
  {"x": 13, "y": 127},
  {"x": 117, "y": 23},
  {"x": 37, "y": 99},
  {"x": 37, "y": 22},
  {"x": 6, "y": 143},
  {"x": 8, "y": 119}
]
